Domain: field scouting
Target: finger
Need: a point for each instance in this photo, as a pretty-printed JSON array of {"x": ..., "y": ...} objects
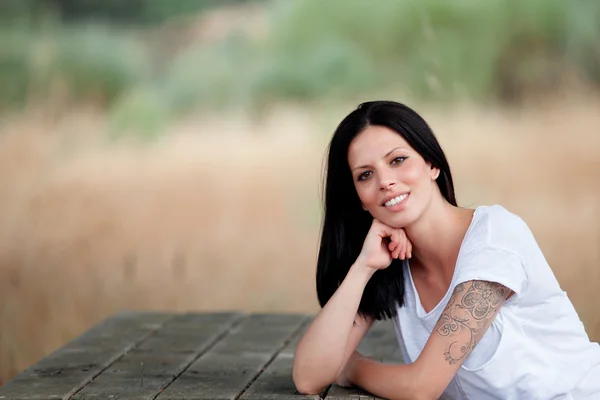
[
  {"x": 399, "y": 253},
  {"x": 406, "y": 248},
  {"x": 385, "y": 231},
  {"x": 392, "y": 246},
  {"x": 397, "y": 238},
  {"x": 396, "y": 242},
  {"x": 403, "y": 250}
]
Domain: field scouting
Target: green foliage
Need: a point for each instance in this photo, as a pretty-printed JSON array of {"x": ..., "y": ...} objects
[
  {"x": 159, "y": 11},
  {"x": 432, "y": 48},
  {"x": 437, "y": 50},
  {"x": 98, "y": 62},
  {"x": 583, "y": 36},
  {"x": 15, "y": 65},
  {"x": 86, "y": 63},
  {"x": 145, "y": 12},
  {"x": 326, "y": 70},
  {"x": 240, "y": 74},
  {"x": 18, "y": 11},
  {"x": 208, "y": 75},
  {"x": 142, "y": 113}
]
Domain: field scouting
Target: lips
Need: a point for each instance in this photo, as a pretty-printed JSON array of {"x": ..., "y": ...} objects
[{"x": 394, "y": 199}]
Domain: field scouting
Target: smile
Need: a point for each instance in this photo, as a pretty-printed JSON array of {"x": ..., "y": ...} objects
[{"x": 395, "y": 200}]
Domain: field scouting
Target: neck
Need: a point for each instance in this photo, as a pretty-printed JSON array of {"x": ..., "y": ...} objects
[{"x": 436, "y": 236}]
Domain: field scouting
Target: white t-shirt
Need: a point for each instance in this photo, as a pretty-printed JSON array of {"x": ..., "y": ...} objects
[{"x": 537, "y": 347}]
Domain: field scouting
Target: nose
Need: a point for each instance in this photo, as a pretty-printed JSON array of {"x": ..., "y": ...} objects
[
  {"x": 387, "y": 178},
  {"x": 386, "y": 184}
]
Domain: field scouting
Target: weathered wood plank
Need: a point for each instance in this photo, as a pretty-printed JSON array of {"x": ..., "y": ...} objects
[
  {"x": 380, "y": 343},
  {"x": 152, "y": 365},
  {"x": 226, "y": 369},
  {"x": 276, "y": 382},
  {"x": 67, "y": 370},
  {"x": 138, "y": 355}
]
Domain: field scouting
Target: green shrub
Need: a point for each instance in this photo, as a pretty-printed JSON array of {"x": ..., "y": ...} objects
[
  {"x": 436, "y": 50},
  {"x": 88, "y": 63},
  {"x": 97, "y": 62},
  {"x": 15, "y": 67},
  {"x": 208, "y": 75},
  {"x": 142, "y": 113},
  {"x": 433, "y": 48}
]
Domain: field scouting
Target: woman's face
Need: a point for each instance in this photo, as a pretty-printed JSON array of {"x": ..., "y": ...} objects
[{"x": 393, "y": 181}]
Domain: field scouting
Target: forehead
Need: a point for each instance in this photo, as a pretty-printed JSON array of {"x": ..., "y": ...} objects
[{"x": 374, "y": 143}]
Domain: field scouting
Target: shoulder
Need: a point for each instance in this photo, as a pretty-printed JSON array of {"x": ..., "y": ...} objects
[
  {"x": 495, "y": 249},
  {"x": 496, "y": 227},
  {"x": 498, "y": 217}
]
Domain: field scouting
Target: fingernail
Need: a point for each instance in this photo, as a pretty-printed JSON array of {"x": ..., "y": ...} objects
[{"x": 409, "y": 254}]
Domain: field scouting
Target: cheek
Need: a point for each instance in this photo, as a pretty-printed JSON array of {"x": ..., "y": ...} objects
[
  {"x": 366, "y": 194},
  {"x": 415, "y": 175}
]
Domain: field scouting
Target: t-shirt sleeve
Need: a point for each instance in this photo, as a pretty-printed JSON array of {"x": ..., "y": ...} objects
[{"x": 494, "y": 265}]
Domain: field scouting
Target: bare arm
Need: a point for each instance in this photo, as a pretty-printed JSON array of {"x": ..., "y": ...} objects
[
  {"x": 467, "y": 316},
  {"x": 332, "y": 337},
  {"x": 330, "y": 340}
]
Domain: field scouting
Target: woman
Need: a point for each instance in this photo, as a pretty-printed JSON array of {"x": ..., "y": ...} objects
[{"x": 477, "y": 310}]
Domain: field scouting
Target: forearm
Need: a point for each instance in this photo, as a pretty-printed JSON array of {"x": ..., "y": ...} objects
[
  {"x": 389, "y": 381},
  {"x": 320, "y": 352}
]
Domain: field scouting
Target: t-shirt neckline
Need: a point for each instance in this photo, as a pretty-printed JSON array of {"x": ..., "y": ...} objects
[{"x": 420, "y": 310}]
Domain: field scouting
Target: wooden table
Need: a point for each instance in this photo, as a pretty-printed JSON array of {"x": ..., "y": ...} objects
[{"x": 140, "y": 355}]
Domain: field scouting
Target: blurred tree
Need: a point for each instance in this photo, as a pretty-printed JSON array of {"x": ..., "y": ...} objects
[
  {"x": 21, "y": 12},
  {"x": 113, "y": 11}
]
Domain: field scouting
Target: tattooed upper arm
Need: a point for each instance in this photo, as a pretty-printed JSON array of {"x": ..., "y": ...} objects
[{"x": 468, "y": 314}]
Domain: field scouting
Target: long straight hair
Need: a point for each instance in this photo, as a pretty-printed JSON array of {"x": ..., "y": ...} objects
[{"x": 346, "y": 224}]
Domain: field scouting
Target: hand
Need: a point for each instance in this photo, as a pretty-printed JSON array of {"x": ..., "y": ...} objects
[
  {"x": 382, "y": 245},
  {"x": 343, "y": 379}
]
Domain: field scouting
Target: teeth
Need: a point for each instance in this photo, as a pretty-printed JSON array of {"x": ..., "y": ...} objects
[{"x": 395, "y": 200}]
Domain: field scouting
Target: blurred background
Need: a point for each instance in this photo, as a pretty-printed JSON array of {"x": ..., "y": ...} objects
[{"x": 167, "y": 155}]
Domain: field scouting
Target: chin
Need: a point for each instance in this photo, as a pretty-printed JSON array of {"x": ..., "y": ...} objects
[
  {"x": 398, "y": 224},
  {"x": 396, "y": 221}
]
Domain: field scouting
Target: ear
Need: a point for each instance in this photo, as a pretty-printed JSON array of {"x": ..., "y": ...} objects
[{"x": 435, "y": 173}]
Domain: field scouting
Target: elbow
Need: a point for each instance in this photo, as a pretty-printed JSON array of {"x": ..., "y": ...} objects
[
  {"x": 304, "y": 384},
  {"x": 426, "y": 392},
  {"x": 307, "y": 387},
  {"x": 425, "y": 396},
  {"x": 417, "y": 394},
  {"x": 424, "y": 387}
]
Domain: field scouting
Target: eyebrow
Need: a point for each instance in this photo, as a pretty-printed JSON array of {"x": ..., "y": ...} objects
[{"x": 386, "y": 154}]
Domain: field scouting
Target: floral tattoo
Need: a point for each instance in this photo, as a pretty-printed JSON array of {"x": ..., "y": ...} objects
[{"x": 469, "y": 312}]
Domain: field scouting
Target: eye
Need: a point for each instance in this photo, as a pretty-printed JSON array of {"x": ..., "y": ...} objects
[
  {"x": 364, "y": 176},
  {"x": 399, "y": 160}
]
